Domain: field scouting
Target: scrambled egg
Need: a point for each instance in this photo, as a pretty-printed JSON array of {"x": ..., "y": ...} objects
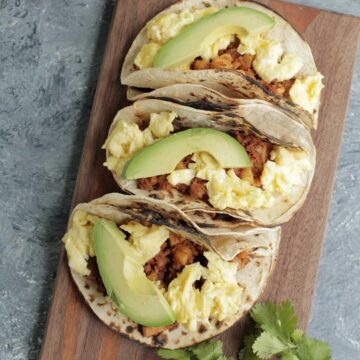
[
  {"x": 161, "y": 123},
  {"x": 219, "y": 297},
  {"x": 248, "y": 43},
  {"x": 226, "y": 190},
  {"x": 126, "y": 139},
  {"x": 162, "y": 29},
  {"x": 78, "y": 242},
  {"x": 146, "y": 240},
  {"x": 145, "y": 57},
  {"x": 220, "y": 44},
  {"x": 182, "y": 176},
  {"x": 167, "y": 26},
  {"x": 270, "y": 62},
  {"x": 286, "y": 169},
  {"x": 204, "y": 164},
  {"x": 306, "y": 91}
]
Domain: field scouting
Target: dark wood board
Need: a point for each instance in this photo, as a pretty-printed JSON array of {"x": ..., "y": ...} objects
[{"x": 72, "y": 331}]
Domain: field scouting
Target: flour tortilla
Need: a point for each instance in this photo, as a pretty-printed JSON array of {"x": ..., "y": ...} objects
[
  {"x": 262, "y": 243},
  {"x": 232, "y": 83},
  {"x": 203, "y": 107}
]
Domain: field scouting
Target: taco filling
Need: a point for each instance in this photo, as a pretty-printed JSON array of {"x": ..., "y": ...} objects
[
  {"x": 233, "y": 39},
  {"x": 168, "y": 278},
  {"x": 265, "y": 171}
]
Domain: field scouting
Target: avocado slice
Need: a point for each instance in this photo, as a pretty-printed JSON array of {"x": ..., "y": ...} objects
[
  {"x": 125, "y": 281},
  {"x": 201, "y": 34},
  {"x": 162, "y": 156}
]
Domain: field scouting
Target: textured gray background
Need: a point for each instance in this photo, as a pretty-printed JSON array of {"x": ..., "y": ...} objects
[{"x": 50, "y": 52}]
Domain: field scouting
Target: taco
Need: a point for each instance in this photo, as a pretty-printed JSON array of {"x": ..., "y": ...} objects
[
  {"x": 219, "y": 161},
  {"x": 240, "y": 48},
  {"x": 147, "y": 273}
]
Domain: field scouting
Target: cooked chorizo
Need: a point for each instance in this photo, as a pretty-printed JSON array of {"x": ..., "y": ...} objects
[
  {"x": 245, "y": 174},
  {"x": 148, "y": 184},
  {"x": 200, "y": 64},
  {"x": 175, "y": 239},
  {"x": 198, "y": 189},
  {"x": 148, "y": 331},
  {"x": 224, "y": 61},
  {"x": 257, "y": 149},
  {"x": 183, "y": 255}
]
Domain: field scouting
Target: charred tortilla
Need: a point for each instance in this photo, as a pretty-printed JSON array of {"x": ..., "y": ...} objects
[
  {"x": 255, "y": 124},
  {"x": 239, "y": 83},
  {"x": 261, "y": 245}
]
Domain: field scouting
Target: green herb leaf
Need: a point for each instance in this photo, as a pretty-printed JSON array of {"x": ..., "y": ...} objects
[
  {"x": 247, "y": 353},
  {"x": 280, "y": 320},
  {"x": 297, "y": 335},
  {"x": 223, "y": 357},
  {"x": 279, "y": 337},
  {"x": 210, "y": 350},
  {"x": 267, "y": 345},
  {"x": 312, "y": 349},
  {"x": 174, "y": 354},
  {"x": 289, "y": 356}
]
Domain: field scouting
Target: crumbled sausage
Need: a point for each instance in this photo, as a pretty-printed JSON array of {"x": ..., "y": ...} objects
[
  {"x": 184, "y": 189},
  {"x": 258, "y": 151},
  {"x": 160, "y": 182},
  {"x": 175, "y": 239},
  {"x": 183, "y": 164},
  {"x": 231, "y": 59},
  {"x": 280, "y": 88},
  {"x": 247, "y": 60},
  {"x": 154, "y": 330},
  {"x": 155, "y": 267},
  {"x": 163, "y": 183},
  {"x": 184, "y": 254},
  {"x": 154, "y": 183},
  {"x": 174, "y": 254},
  {"x": 245, "y": 64},
  {"x": 245, "y": 174},
  {"x": 224, "y": 61},
  {"x": 148, "y": 184},
  {"x": 200, "y": 64},
  {"x": 198, "y": 189}
]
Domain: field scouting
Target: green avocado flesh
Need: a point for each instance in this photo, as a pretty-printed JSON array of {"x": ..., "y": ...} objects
[
  {"x": 124, "y": 278},
  {"x": 162, "y": 156},
  {"x": 198, "y": 36}
]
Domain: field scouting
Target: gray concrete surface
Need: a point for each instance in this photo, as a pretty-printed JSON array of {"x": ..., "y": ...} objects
[{"x": 50, "y": 52}]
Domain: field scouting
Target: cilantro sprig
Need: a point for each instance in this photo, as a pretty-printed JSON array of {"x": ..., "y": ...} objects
[
  {"x": 276, "y": 334},
  {"x": 279, "y": 335},
  {"x": 209, "y": 350}
]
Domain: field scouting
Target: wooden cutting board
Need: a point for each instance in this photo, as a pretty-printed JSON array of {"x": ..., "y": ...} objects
[{"x": 72, "y": 331}]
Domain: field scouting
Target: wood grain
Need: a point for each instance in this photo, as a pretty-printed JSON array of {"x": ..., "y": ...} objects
[{"x": 72, "y": 331}]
